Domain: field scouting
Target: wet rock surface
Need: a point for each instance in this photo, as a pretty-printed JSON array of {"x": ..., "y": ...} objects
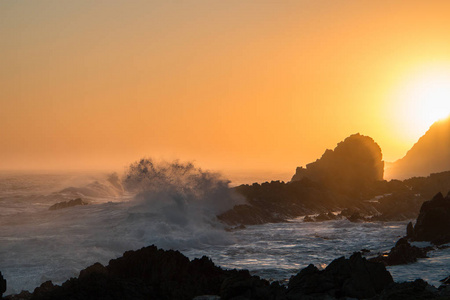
[{"x": 402, "y": 253}]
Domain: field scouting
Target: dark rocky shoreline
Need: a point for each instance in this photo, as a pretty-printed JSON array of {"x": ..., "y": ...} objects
[{"x": 152, "y": 273}]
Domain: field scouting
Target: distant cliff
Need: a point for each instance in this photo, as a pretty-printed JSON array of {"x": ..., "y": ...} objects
[
  {"x": 355, "y": 163},
  {"x": 431, "y": 154}
]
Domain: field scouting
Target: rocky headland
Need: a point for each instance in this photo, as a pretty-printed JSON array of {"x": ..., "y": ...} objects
[
  {"x": 429, "y": 155},
  {"x": 348, "y": 179}
]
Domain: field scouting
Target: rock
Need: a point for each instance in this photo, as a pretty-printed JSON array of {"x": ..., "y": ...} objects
[
  {"x": 244, "y": 286},
  {"x": 402, "y": 253},
  {"x": 322, "y": 217},
  {"x": 23, "y": 295},
  {"x": 308, "y": 219},
  {"x": 66, "y": 204},
  {"x": 356, "y": 217},
  {"x": 152, "y": 273},
  {"x": 415, "y": 290},
  {"x": 354, "y": 277},
  {"x": 429, "y": 155},
  {"x": 44, "y": 289},
  {"x": 354, "y": 163},
  {"x": 433, "y": 222},
  {"x": 409, "y": 230},
  {"x": 207, "y": 297},
  {"x": 2, "y": 285},
  {"x": 364, "y": 251},
  {"x": 235, "y": 228},
  {"x": 446, "y": 280},
  {"x": 96, "y": 268}
]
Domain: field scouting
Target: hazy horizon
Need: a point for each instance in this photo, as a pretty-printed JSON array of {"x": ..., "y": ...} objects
[{"x": 236, "y": 86}]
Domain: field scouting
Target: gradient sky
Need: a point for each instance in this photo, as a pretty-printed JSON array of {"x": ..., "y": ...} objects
[{"x": 231, "y": 85}]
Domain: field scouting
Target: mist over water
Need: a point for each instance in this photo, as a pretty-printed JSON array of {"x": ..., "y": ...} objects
[{"x": 174, "y": 206}]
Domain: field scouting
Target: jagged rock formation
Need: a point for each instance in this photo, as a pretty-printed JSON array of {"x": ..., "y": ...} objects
[
  {"x": 355, "y": 163},
  {"x": 66, "y": 204},
  {"x": 277, "y": 201},
  {"x": 354, "y": 277},
  {"x": 433, "y": 222},
  {"x": 152, "y": 273},
  {"x": 431, "y": 154}
]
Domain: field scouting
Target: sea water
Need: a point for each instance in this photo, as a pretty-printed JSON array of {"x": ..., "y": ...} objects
[{"x": 37, "y": 244}]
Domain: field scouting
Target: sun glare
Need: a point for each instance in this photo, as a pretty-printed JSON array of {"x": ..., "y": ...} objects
[{"x": 423, "y": 100}]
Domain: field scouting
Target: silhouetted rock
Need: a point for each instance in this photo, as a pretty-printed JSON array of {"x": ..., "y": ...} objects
[
  {"x": 2, "y": 285},
  {"x": 66, "y": 204},
  {"x": 243, "y": 286},
  {"x": 402, "y": 253},
  {"x": 278, "y": 201},
  {"x": 152, "y": 273},
  {"x": 308, "y": 219},
  {"x": 354, "y": 277},
  {"x": 355, "y": 163},
  {"x": 445, "y": 280},
  {"x": 429, "y": 155},
  {"x": 414, "y": 290},
  {"x": 23, "y": 295},
  {"x": 43, "y": 290},
  {"x": 410, "y": 230},
  {"x": 398, "y": 206},
  {"x": 433, "y": 222}
]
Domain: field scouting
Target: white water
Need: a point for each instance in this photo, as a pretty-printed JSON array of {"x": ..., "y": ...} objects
[{"x": 38, "y": 245}]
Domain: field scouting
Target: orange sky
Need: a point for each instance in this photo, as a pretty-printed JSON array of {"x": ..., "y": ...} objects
[{"x": 232, "y": 85}]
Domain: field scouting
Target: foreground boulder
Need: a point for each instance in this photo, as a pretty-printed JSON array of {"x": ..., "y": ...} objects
[
  {"x": 354, "y": 277},
  {"x": 66, "y": 204},
  {"x": 433, "y": 222}
]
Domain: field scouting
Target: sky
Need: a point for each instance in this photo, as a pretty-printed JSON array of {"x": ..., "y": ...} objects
[{"x": 235, "y": 86}]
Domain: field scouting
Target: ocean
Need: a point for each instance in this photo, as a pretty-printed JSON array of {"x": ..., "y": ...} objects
[{"x": 38, "y": 244}]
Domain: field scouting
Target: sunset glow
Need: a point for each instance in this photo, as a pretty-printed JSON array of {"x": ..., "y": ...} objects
[
  {"x": 423, "y": 100},
  {"x": 224, "y": 149},
  {"x": 234, "y": 86}
]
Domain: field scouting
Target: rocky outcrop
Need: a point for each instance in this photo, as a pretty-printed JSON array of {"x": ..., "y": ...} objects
[
  {"x": 402, "y": 253},
  {"x": 433, "y": 222},
  {"x": 354, "y": 277},
  {"x": 429, "y": 155},
  {"x": 354, "y": 164},
  {"x": 66, "y": 204},
  {"x": 277, "y": 201}
]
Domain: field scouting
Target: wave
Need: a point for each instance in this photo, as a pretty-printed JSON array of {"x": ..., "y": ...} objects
[{"x": 172, "y": 205}]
